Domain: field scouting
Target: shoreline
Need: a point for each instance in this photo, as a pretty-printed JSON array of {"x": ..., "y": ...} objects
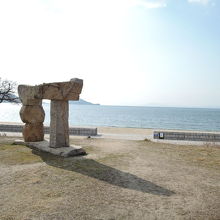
[
  {"x": 112, "y": 129},
  {"x": 135, "y": 134}
]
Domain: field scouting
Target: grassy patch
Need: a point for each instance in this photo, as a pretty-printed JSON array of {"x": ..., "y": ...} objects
[
  {"x": 17, "y": 154},
  {"x": 206, "y": 156},
  {"x": 115, "y": 159}
]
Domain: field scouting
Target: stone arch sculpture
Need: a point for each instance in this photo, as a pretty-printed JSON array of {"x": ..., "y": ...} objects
[{"x": 32, "y": 112}]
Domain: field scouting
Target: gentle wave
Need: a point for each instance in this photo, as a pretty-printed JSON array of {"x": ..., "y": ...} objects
[{"x": 124, "y": 116}]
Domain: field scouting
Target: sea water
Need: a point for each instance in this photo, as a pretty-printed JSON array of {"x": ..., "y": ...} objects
[{"x": 126, "y": 116}]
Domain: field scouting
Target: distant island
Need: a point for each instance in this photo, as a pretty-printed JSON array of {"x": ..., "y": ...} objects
[
  {"x": 12, "y": 97},
  {"x": 81, "y": 102}
]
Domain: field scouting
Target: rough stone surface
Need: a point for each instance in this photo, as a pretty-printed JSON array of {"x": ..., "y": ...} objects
[
  {"x": 33, "y": 132},
  {"x": 33, "y": 95},
  {"x": 61, "y": 151},
  {"x": 59, "y": 126},
  {"x": 30, "y": 95},
  {"x": 62, "y": 90},
  {"x": 32, "y": 114}
]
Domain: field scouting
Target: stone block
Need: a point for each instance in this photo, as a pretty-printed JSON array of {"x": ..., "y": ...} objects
[
  {"x": 32, "y": 114},
  {"x": 30, "y": 95},
  {"x": 62, "y": 90},
  {"x": 70, "y": 151},
  {"x": 33, "y": 132},
  {"x": 18, "y": 142}
]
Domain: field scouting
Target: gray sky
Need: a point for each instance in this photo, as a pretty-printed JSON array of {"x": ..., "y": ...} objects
[{"x": 128, "y": 52}]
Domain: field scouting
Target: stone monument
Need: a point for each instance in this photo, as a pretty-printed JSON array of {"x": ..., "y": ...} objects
[{"x": 32, "y": 114}]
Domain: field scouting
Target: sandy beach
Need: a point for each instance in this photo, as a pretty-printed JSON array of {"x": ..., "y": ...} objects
[{"x": 122, "y": 177}]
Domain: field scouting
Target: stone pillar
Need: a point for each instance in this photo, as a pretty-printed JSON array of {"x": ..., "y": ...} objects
[{"x": 59, "y": 125}]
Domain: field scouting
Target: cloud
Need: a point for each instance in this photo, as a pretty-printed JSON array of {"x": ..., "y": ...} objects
[
  {"x": 203, "y": 2},
  {"x": 150, "y": 4}
]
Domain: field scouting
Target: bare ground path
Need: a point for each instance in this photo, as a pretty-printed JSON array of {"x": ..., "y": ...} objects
[{"x": 118, "y": 179}]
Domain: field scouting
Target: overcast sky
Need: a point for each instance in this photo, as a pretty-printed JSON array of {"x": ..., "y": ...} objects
[{"x": 128, "y": 52}]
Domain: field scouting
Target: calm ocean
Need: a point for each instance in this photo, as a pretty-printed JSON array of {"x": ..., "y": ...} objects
[{"x": 124, "y": 116}]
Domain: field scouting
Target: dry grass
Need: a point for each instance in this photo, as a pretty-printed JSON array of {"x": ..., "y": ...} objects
[
  {"x": 118, "y": 179},
  {"x": 17, "y": 155},
  {"x": 207, "y": 155}
]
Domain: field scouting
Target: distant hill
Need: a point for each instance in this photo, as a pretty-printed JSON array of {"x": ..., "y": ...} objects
[
  {"x": 13, "y": 97},
  {"x": 81, "y": 102}
]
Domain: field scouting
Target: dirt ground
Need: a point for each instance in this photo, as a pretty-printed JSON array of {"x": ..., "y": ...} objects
[{"x": 118, "y": 179}]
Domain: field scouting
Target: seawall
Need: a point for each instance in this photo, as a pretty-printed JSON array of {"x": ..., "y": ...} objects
[{"x": 72, "y": 130}]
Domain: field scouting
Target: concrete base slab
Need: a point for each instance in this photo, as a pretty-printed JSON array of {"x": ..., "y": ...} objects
[
  {"x": 19, "y": 142},
  {"x": 43, "y": 146}
]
